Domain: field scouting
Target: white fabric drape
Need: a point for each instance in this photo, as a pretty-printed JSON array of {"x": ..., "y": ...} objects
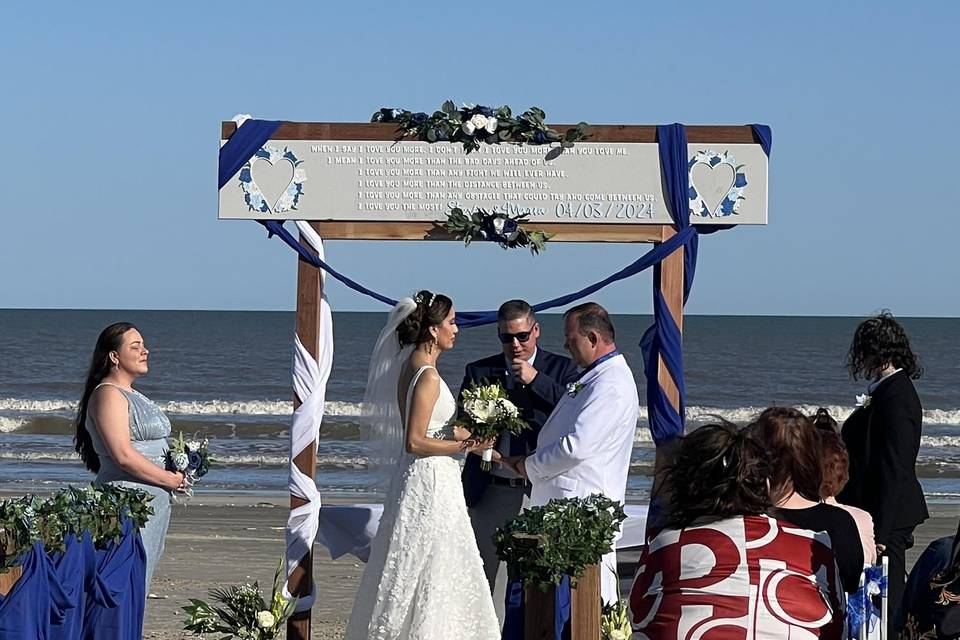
[{"x": 310, "y": 384}]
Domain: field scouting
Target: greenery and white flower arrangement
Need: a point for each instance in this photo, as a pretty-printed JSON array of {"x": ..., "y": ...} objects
[
  {"x": 560, "y": 538},
  {"x": 241, "y": 611},
  {"x": 504, "y": 229},
  {"x": 473, "y": 125},
  {"x": 488, "y": 413},
  {"x": 615, "y": 622}
]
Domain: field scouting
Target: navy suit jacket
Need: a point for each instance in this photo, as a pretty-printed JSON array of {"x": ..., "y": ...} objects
[{"x": 535, "y": 401}]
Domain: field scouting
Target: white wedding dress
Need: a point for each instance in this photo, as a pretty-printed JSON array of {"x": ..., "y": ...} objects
[{"x": 424, "y": 579}]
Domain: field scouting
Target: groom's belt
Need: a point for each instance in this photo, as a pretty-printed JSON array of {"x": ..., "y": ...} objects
[{"x": 508, "y": 482}]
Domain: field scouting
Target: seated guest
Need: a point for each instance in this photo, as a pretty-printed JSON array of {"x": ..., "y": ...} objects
[
  {"x": 836, "y": 471},
  {"x": 723, "y": 569},
  {"x": 931, "y": 601},
  {"x": 794, "y": 448}
]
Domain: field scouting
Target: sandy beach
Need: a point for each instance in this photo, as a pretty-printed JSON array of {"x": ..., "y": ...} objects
[{"x": 222, "y": 539}]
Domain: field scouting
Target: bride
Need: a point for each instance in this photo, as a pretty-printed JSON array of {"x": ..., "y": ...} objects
[{"x": 424, "y": 579}]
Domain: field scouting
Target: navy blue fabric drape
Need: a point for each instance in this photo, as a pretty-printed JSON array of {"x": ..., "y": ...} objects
[
  {"x": 514, "y": 611},
  {"x": 36, "y": 600},
  {"x": 75, "y": 569},
  {"x": 115, "y": 604}
]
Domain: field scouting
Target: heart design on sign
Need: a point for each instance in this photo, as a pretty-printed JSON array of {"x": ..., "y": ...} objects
[
  {"x": 278, "y": 184},
  {"x": 272, "y": 178},
  {"x": 717, "y": 184}
]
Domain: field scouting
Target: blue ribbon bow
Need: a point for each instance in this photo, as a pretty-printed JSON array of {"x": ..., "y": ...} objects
[{"x": 860, "y": 607}]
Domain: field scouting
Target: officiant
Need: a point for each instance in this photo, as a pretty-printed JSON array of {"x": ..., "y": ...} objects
[{"x": 535, "y": 380}]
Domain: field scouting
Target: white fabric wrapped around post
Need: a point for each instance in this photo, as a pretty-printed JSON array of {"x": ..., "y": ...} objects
[{"x": 310, "y": 384}]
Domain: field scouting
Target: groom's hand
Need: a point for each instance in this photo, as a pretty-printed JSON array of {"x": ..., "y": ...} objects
[
  {"x": 515, "y": 464},
  {"x": 523, "y": 370}
]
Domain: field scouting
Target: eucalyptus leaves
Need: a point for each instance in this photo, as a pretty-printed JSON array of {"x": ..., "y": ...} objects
[
  {"x": 473, "y": 125},
  {"x": 559, "y": 538},
  {"x": 504, "y": 229},
  {"x": 29, "y": 519}
]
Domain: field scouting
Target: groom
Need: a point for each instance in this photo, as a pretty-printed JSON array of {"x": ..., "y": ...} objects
[
  {"x": 535, "y": 381},
  {"x": 585, "y": 445}
]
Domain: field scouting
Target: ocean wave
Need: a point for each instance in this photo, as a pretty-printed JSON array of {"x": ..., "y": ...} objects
[
  {"x": 10, "y": 424},
  {"x": 696, "y": 415}
]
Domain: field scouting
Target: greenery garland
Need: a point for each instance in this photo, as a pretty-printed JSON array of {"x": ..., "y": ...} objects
[
  {"x": 504, "y": 229},
  {"x": 472, "y": 125},
  {"x": 560, "y": 538},
  {"x": 29, "y": 519}
]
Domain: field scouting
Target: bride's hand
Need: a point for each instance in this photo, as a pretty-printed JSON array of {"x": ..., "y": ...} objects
[
  {"x": 479, "y": 446},
  {"x": 461, "y": 434}
]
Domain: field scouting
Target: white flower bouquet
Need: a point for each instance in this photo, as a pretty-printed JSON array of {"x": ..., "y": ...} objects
[{"x": 488, "y": 413}]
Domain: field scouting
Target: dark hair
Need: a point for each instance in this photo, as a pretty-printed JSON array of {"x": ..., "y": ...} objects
[
  {"x": 793, "y": 445},
  {"x": 836, "y": 463},
  {"x": 590, "y": 316},
  {"x": 823, "y": 420},
  {"x": 719, "y": 471},
  {"x": 431, "y": 311},
  {"x": 877, "y": 342},
  {"x": 514, "y": 310},
  {"x": 110, "y": 339}
]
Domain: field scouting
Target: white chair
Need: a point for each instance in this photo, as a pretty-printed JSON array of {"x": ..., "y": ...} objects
[{"x": 875, "y": 628}]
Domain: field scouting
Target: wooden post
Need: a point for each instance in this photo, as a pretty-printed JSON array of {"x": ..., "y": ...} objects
[
  {"x": 539, "y": 614},
  {"x": 671, "y": 286},
  {"x": 309, "y": 289},
  {"x": 585, "y": 605},
  {"x": 8, "y": 579}
]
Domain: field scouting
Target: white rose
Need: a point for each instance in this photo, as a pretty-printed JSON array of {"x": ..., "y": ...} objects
[
  {"x": 498, "y": 225},
  {"x": 180, "y": 461},
  {"x": 617, "y": 634},
  {"x": 491, "y": 125},
  {"x": 265, "y": 620},
  {"x": 479, "y": 410},
  {"x": 468, "y": 128},
  {"x": 193, "y": 445},
  {"x": 479, "y": 121}
]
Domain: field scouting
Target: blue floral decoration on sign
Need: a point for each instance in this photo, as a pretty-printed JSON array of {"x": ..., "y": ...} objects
[
  {"x": 730, "y": 204},
  {"x": 290, "y": 197}
]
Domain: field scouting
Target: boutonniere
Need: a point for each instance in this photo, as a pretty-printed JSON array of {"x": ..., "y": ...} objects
[
  {"x": 863, "y": 400},
  {"x": 574, "y": 388}
]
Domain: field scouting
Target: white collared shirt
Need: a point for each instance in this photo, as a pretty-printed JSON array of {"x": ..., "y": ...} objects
[{"x": 874, "y": 385}]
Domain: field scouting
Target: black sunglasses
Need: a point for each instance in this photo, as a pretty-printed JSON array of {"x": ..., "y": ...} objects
[{"x": 523, "y": 336}]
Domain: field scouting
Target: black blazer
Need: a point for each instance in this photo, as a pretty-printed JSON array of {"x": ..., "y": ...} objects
[
  {"x": 883, "y": 440},
  {"x": 535, "y": 401}
]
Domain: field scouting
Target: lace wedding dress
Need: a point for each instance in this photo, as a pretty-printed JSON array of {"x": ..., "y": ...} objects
[{"x": 424, "y": 579}]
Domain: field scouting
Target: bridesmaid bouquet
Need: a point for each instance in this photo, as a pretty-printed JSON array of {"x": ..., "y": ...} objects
[
  {"x": 488, "y": 413},
  {"x": 189, "y": 456}
]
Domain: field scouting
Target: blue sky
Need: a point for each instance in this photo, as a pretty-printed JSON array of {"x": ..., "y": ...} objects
[{"x": 112, "y": 116}]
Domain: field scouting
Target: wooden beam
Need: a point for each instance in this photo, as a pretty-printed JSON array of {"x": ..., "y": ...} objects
[
  {"x": 309, "y": 290},
  {"x": 696, "y": 134},
  {"x": 671, "y": 286},
  {"x": 401, "y": 230},
  {"x": 585, "y": 605},
  {"x": 539, "y": 614}
]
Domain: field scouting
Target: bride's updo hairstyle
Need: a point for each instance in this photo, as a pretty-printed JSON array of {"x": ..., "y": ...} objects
[{"x": 431, "y": 311}]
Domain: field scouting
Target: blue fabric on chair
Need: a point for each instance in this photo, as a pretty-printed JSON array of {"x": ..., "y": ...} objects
[
  {"x": 75, "y": 569},
  {"x": 35, "y": 601},
  {"x": 116, "y": 603}
]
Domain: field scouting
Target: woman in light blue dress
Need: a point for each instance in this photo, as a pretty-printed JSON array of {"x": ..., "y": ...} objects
[{"x": 121, "y": 435}]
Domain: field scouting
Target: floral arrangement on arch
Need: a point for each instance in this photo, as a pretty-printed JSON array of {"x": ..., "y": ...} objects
[
  {"x": 473, "y": 125},
  {"x": 504, "y": 229}
]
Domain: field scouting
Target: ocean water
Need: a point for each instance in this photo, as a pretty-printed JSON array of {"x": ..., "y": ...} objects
[{"x": 226, "y": 376}]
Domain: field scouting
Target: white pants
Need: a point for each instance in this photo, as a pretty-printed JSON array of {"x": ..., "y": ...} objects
[{"x": 609, "y": 582}]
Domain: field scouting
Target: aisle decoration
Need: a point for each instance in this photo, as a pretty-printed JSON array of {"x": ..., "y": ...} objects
[
  {"x": 561, "y": 538},
  {"x": 242, "y": 611},
  {"x": 27, "y": 520},
  {"x": 488, "y": 414},
  {"x": 503, "y": 228},
  {"x": 473, "y": 125}
]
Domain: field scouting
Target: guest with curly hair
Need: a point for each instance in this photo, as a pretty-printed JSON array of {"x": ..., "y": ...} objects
[{"x": 883, "y": 438}]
